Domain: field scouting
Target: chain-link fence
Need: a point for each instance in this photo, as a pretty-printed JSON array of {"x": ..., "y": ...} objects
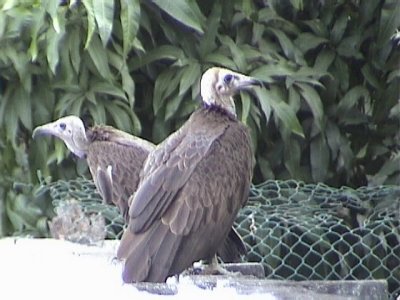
[{"x": 298, "y": 231}]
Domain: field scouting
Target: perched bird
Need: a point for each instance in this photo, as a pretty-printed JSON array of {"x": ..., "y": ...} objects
[
  {"x": 191, "y": 187},
  {"x": 115, "y": 159}
]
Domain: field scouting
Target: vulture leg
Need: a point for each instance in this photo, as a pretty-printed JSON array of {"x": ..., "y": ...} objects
[{"x": 214, "y": 268}]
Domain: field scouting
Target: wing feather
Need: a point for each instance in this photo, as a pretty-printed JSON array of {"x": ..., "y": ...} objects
[
  {"x": 125, "y": 154},
  {"x": 168, "y": 168},
  {"x": 180, "y": 212}
]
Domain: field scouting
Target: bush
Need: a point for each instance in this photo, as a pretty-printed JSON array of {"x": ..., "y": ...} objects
[{"x": 330, "y": 112}]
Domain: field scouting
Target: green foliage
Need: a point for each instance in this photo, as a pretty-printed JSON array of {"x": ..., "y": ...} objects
[{"x": 330, "y": 112}]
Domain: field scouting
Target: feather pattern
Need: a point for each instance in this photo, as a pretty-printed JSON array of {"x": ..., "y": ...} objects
[
  {"x": 193, "y": 185},
  {"x": 115, "y": 160}
]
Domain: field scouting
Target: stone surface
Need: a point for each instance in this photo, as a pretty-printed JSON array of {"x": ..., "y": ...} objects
[
  {"x": 281, "y": 289},
  {"x": 74, "y": 271},
  {"x": 247, "y": 269}
]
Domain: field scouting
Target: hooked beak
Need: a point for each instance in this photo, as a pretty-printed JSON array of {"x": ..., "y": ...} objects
[
  {"x": 246, "y": 82},
  {"x": 46, "y": 129}
]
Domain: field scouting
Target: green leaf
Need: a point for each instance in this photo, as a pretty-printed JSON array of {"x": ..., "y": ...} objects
[
  {"x": 286, "y": 44},
  {"x": 184, "y": 11},
  {"x": 311, "y": 96},
  {"x": 307, "y": 41},
  {"x": 333, "y": 137},
  {"x": 395, "y": 111},
  {"x": 324, "y": 60},
  {"x": 393, "y": 75},
  {"x": 119, "y": 116},
  {"x": 289, "y": 49},
  {"x": 22, "y": 102},
  {"x": 342, "y": 73},
  {"x": 128, "y": 85},
  {"x": 267, "y": 72},
  {"x": 294, "y": 98},
  {"x": 165, "y": 84},
  {"x": 220, "y": 59},
  {"x": 350, "y": 99},
  {"x": 74, "y": 44},
  {"x": 247, "y": 8},
  {"x": 36, "y": 23},
  {"x": 281, "y": 109},
  {"x": 367, "y": 11},
  {"x": 130, "y": 16},
  {"x": 237, "y": 53},
  {"x": 51, "y": 8},
  {"x": 207, "y": 43},
  {"x": 246, "y": 104},
  {"x": 162, "y": 52},
  {"x": 292, "y": 156},
  {"x": 11, "y": 119},
  {"x": 297, "y": 4},
  {"x": 91, "y": 21},
  {"x": 391, "y": 166},
  {"x": 103, "y": 87},
  {"x": 317, "y": 27},
  {"x": 21, "y": 64},
  {"x": 263, "y": 99},
  {"x": 389, "y": 23},
  {"x": 98, "y": 112},
  {"x": 370, "y": 75},
  {"x": 15, "y": 219},
  {"x": 99, "y": 57},
  {"x": 339, "y": 27},
  {"x": 52, "y": 52},
  {"x": 104, "y": 15},
  {"x": 319, "y": 158},
  {"x": 349, "y": 47},
  {"x": 171, "y": 107},
  {"x": 191, "y": 74}
]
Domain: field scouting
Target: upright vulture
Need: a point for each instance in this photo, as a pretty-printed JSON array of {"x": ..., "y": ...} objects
[
  {"x": 191, "y": 187},
  {"x": 115, "y": 159}
]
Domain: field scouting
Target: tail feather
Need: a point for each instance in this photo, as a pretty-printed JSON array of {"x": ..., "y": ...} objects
[
  {"x": 148, "y": 255},
  {"x": 232, "y": 248}
]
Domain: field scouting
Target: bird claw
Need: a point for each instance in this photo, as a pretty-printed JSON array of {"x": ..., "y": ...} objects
[
  {"x": 210, "y": 269},
  {"x": 218, "y": 270}
]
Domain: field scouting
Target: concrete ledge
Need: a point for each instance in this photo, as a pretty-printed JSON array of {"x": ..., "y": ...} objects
[{"x": 280, "y": 289}]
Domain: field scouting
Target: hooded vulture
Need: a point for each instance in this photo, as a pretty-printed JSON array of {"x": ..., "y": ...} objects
[
  {"x": 115, "y": 159},
  {"x": 191, "y": 187}
]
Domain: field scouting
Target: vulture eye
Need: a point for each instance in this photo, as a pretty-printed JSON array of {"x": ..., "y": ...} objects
[
  {"x": 228, "y": 78},
  {"x": 63, "y": 126}
]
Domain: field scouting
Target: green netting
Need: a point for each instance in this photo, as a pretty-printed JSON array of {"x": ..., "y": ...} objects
[
  {"x": 313, "y": 232},
  {"x": 81, "y": 216},
  {"x": 298, "y": 231}
]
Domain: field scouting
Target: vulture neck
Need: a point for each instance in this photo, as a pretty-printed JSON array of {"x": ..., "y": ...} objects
[
  {"x": 223, "y": 105},
  {"x": 79, "y": 145}
]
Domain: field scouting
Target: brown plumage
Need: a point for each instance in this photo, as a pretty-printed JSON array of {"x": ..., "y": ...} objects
[
  {"x": 192, "y": 187},
  {"x": 115, "y": 159}
]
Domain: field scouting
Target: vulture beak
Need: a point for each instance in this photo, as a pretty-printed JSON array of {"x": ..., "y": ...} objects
[
  {"x": 46, "y": 129},
  {"x": 245, "y": 82}
]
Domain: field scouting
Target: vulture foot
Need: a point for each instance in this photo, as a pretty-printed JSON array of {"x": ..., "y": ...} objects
[{"x": 213, "y": 268}]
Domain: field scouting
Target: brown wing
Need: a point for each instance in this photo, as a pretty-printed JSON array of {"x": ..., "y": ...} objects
[
  {"x": 125, "y": 154},
  {"x": 185, "y": 205},
  {"x": 166, "y": 172}
]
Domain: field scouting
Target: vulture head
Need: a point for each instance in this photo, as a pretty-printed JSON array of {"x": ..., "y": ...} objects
[
  {"x": 218, "y": 86},
  {"x": 70, "y": 129}
]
